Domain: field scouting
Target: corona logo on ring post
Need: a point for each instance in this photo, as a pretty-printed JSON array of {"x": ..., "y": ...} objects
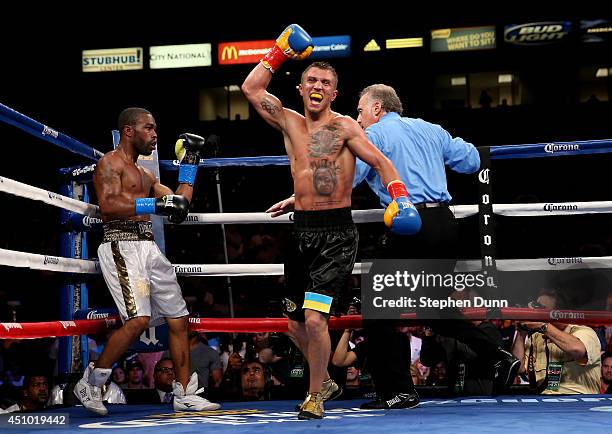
[{"x": 229, "y": 52}]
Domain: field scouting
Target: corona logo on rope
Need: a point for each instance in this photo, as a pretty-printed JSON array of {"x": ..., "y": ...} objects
[
  {"x": 83, "y": 170},
  {"x": 557, "y": 261},
  {"x": 51, "y": 260},
  {"x": 8, "y": 326},
  {"x": 551, "y": 148},
  {"x": 181, "y": 270},
  {"x": 49, "y": 132},
  {"x": 94, "y": 314},
  {"x": 551, "y": 207},
  {"x": 559, "y": 315},
  {"x": 192, "y": 218},
  {"x": 68, "y": 324},
  {"x": 55, "y": 196}
]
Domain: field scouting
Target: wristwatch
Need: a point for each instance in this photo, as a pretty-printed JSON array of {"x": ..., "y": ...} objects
[{"x": 543, "y": 328}]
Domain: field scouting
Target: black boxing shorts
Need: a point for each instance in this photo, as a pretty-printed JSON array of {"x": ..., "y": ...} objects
[{"x": 320, "y": 262}]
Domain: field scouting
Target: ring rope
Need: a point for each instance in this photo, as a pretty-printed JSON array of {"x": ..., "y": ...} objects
[
  {"x": 20, "y": 189},
  {"x": 14, "y": 258},
  {"x": 251, "y": 325}
]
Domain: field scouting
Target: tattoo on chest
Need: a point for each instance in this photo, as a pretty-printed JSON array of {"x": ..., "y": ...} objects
[
  {"x": 325, "y": 142},
  {"x": 269, "y": 106},
  {"x": 324, "y": 176}
]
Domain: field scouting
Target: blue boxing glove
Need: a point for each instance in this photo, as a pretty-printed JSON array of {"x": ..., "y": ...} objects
[
  {"x": 174, "y": 206},
  {"x": 293, "y": 43},
  {"x": 401, "y": 215}
]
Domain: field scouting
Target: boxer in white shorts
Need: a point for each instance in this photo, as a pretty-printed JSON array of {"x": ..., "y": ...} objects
[{"x": 141, "y": 280}]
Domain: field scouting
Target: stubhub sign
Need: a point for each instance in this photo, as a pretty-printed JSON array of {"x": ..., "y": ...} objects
[{"x": 331, "y": 46}]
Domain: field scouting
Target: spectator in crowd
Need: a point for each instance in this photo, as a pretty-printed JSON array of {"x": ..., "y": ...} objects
[
  {"x": 118, "y": 376},
  {"x": 205, "y": 361},
  {"x": 559, "y": 358},
  {"x": 463, "y": 372},
  {"x": 35, "y": 392},
  {"x": 246, "y": 381},
  {"x": 34, "y": 395},
  {"x": 606, "y": 373},
  {"x": 135, "y": 376},
  {"x": 255, "y": 381},
  {"x": 438, "y": 375},
  {"x": 163, "y": 376}
]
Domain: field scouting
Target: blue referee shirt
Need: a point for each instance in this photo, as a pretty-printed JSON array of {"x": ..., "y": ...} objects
[{"x": 419, "y": 150}]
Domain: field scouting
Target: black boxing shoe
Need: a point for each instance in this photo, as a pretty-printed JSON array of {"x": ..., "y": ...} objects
[
  {"x": 505, "y": 370},
  {"x": 393, "y": 401}
]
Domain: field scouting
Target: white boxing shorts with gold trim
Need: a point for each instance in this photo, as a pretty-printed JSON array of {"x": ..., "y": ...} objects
[{"x": 140, "y": 278}]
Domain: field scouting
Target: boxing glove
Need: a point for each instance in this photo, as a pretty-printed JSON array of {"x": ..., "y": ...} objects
[
  {"x": 174, "y": 206},
  {"x": 401, "y": 215},
  {"x": 188, "y": 150},
  {"x": 293, "y": 43}
]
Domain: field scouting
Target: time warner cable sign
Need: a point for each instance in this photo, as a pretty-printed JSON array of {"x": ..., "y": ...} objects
[
  {"x": 537, "y": 33},
  {"x": 331, "y": 46}
]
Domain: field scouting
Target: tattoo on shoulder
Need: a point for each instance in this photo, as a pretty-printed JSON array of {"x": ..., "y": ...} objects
[
  {"x": 324, "y": 176},
  {"x": 326, "y": 141},
  {"x": 109, "y": 174},
  {"x": 269, "y": 106}
]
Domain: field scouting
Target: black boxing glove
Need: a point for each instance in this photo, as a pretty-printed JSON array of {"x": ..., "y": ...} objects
[{"x": 174, "y": 206}]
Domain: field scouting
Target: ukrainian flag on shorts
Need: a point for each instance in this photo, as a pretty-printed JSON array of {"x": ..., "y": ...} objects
[{"x": 318, "y": 302}]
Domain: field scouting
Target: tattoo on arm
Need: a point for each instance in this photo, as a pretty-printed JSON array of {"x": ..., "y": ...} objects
[{"x": 269, "y": 106}]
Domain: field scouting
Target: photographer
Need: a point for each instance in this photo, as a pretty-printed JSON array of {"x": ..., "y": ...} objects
[{"x": 559, "y": 358}]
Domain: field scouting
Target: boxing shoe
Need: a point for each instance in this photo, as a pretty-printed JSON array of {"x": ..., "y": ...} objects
[
  {"x": 188, "y": 400},
  {"x": 505, "y": 370},
  {"x": 329, "y": 391},
  {"x": 88, "y": 390},
  {"x": 393, "y": 401},
  {"x": 312, "y": 407}
]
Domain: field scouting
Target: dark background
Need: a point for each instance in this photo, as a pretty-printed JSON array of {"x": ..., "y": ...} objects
[{"x": 42, "y": 78}]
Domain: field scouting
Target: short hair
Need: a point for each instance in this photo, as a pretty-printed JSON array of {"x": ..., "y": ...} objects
[
  {"x": 129, "y": 116},
  {"x": 159, "y": 362},
  {"x": 30, "y": 375},
  {"x": 321, "y": 65},
  {"x": 386, "y": 95},
  {"x": 605, "y": 355},
  {"x": 135, "y": 364}
]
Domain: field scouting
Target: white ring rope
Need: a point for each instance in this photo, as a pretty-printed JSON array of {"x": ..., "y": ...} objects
[
  {"x": 24, "y": 190},
  {"x": 359, "y": 216},
  {"x": 14, "y": 258},
  {"x": 69, "y": 265}
]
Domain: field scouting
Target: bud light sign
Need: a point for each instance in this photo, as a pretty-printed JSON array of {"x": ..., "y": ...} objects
[{"x": 537, "y": 33}]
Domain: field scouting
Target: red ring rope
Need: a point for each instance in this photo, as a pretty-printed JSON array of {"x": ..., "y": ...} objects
[{"x": 251, "y": 325}]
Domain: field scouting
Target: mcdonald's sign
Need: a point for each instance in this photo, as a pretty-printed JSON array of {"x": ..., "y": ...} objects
[{"x": 233, "y": 53}]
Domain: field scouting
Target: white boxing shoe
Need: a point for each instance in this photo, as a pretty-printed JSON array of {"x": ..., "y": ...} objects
[
  {"x": 89, "y": 389},
  {"x": 187, "y": 400}
]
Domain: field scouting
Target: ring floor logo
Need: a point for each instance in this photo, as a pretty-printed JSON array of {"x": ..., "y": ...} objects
[{"x": 227, "y": 417}]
